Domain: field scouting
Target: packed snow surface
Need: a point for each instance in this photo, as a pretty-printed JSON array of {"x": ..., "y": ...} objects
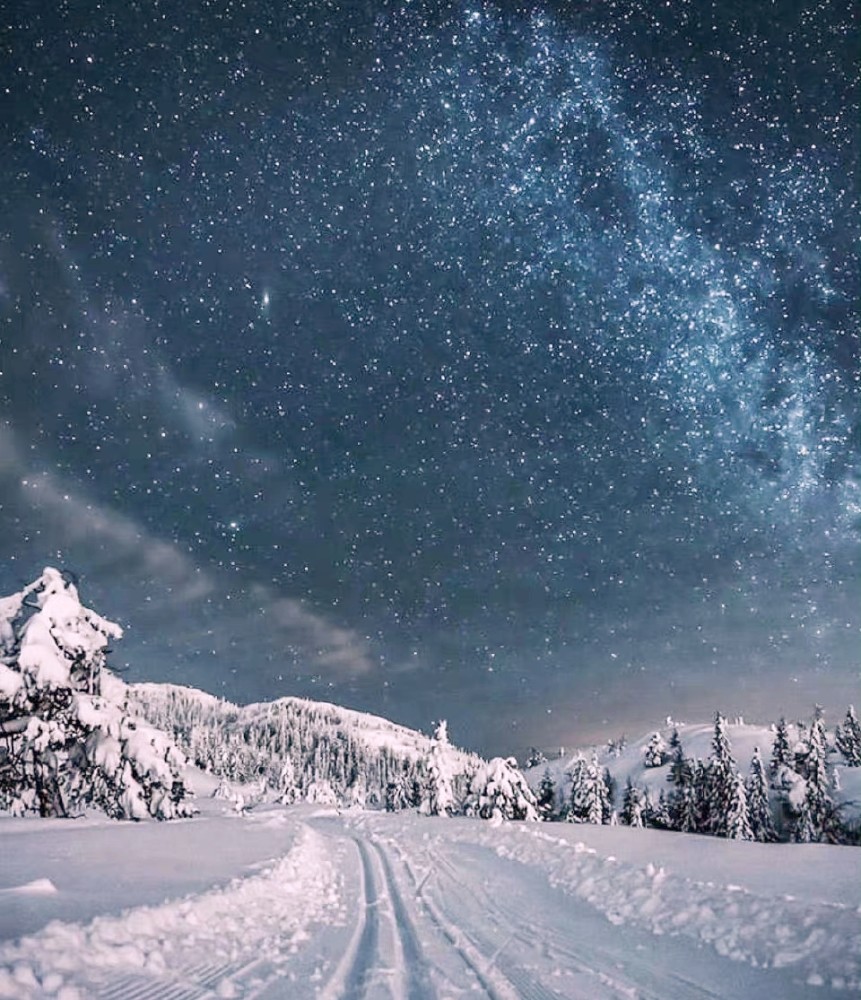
[{"x": 303, "y": 902}]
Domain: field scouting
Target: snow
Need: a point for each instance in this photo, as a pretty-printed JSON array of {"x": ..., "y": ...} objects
[
  {"x": 309, "y": 902},
  {"x": 696, "y": 741}
]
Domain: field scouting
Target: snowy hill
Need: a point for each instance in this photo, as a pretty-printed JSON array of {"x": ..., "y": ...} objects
[
  {"x": 302, "y": 749},
  {"x": 626, "y": 762}
]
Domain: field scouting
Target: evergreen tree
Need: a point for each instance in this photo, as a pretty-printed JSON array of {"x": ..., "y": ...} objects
[
  {"x": 848, "y": 739},
  {"x": 632, "y": 805},
  {"x": 287, "y": 790},
  {"x": 608, "y": 797},
  {"x": 577, "y": 810},
  {"x": 737, "y": 824},
  {"x": 682, "y": 800},
  {"x": 656, "y": 753},
  {"x": 722, "y": 784},
  {"x": 702, "y": 805},
  {"x": 657, "y": 814},
  {"x": 535, "y": 758},
  {"x": 401, "y": 790},
  {"x": 781, "y": 752},
  {"x": 547, "y": 796},
  {"x": 70, "y": 740},
  {"x": 818, "y": 794},
  {"x": 499, "y": 791},
  {"x": 589, "y": 802},
  {"x": 438, "y": 795},
  {"x": 758, "y": 806}
]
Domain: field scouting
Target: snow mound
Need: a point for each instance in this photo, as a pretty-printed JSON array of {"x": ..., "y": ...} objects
[{"x": 231, "y": 927}]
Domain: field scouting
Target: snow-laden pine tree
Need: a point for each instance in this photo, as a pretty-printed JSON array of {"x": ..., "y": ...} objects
[
  {"x": 818, "y": 793},
  {"x": 287, "y": 790},
  {"x": 589, "y": 800},
  {"x": 438, "y": 793},
  {"x": 848, "y": 738},
  {"x": 781, "y": 751},
  {"x": 69, "y": 740},
  {"x": 633, "y": 802},
  {"x": 722, "y": 784},
  {"x": 736, "y": 823},
  {"x": 657, "y": 814},
  {"x": 758, "y": 805},
  {"x": 655, "y": 754},
  {"x": 683, "y": 799},
  {"x": 546, "y": 799},
  {"x": 499, "y": 791},
  {"x": 403, "y": 788}
]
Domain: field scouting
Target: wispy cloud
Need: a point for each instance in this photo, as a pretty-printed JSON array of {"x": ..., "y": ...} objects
[{"x": 120, "y": 547}]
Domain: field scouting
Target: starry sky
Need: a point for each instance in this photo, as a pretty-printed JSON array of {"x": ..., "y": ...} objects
[{"x": 489, "y": 361}]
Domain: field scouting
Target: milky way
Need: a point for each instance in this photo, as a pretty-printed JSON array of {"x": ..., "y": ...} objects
[{"x": 497, "y": 362}]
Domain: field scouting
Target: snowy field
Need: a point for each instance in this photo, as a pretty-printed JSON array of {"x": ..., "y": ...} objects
[{"x": 304, "y": 902}]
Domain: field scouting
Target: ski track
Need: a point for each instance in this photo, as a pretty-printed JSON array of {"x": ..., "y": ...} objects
[
  {"x": 363, "y": 908},
  {"x": 385, "y": 958}
]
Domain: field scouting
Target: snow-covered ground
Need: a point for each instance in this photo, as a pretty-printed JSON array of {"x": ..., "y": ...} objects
[{"x": 303, "y": 902}]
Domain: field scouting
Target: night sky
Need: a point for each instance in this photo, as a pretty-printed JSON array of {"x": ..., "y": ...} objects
[{"x": 492, "y": 361}]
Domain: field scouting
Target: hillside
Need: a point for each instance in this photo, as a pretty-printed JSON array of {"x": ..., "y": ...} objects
[
  {"x": 625, "y": 761},
  {"x": 301, "y": 749}
]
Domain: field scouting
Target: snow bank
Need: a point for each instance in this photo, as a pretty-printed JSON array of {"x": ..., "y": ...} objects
[
  {"x": 819, "y": 939},
  {"x": 267, "y": 913}
]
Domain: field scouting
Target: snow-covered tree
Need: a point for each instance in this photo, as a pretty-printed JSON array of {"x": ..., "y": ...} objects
[
  {"x": 546, "y": 799},
  {"x": 758, "y": 805},
  {"x": 535, "y": 758},
  {"x": 657, "y": 814},
  {"x": 402, "y": 791},
  {"x": 656, "y": 753},
  {"x": 499, "y": 791},
  {"x": 682, "y": 803},
  {"x": 287, "y": 790},
  {"x": 633, "y": 802},
  {"x": 848, "y": 739},
  {"x": 589, "y": 800},
  {"x": 722, "y": 784},
  {"x": 781, "y": 751},
  {"x": 70, "y": 740},
  {"x": 438, "y": 794},
  {"x": 736, "y": 824},
  {"x": 818, "y": 791}
]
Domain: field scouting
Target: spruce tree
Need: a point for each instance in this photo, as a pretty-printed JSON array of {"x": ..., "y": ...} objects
[
  {"x": 655, "y": 753},
  {"x": 632, "y": 805},
  {"x": 781, "y": 751},
  {"x": 737, "y": 824},
  {"x": 657, "y": 814},
  {"x": 499, "y": 791},
  {"x": 848, "y": 739},
  {"x": 70, "y": 739},
  {"x": 578, "y": 808},
  {"x": 758, "y": 806},
  {"x": 438, "y": 798},
  {"x": 547, "y": 796},
  {"x": 722, "y": 791},
  {"x": 818, "y": 793},
  {"x": 682, "y": 800}
]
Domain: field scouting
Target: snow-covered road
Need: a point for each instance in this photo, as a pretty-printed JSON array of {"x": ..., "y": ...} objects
[{"x": 374, "y": 907}]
